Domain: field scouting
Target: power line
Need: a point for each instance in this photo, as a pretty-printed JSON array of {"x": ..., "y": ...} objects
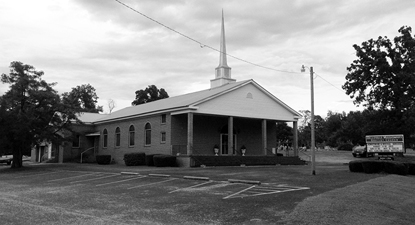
[
  {"x": 200, "y": 43},
  {"x": 329, "y": 82},
  {"x": 214, "y": 49}
]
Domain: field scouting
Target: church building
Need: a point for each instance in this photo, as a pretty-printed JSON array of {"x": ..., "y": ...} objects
[{"x": 229, "y": 115}]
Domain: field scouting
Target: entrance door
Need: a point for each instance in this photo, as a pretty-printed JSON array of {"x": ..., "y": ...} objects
[{"x": 224, "y": 144}]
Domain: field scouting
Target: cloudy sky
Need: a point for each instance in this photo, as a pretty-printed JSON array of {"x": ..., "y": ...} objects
[{"x": 119, "y": 51}]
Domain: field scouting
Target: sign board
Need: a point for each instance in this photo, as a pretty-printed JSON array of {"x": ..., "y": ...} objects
[{"x": 385, "y": 143}]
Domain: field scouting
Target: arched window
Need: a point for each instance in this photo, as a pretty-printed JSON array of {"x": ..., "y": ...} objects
[
  {"x": 105, "y": 133},
  {"x": 147, "y": 133},
  {"x": 117, "y": 137},
  {"x": 131, "y": 135}
]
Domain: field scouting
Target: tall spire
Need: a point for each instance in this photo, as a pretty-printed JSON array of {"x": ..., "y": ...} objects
[
  {"x": 222, "y": 59},
  {"x": 223, "y": 71}
]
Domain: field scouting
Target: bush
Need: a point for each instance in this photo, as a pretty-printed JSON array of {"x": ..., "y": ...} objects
[
  {"x": 103, "y": 159},
  {"x": 356, "y": 166},
  {"x": 164, "y": 160},
  {"x": 150, "y": 160},
  {"x": 135, "y": 159},
  {"x": 411, "y": 168},
  {"x": 372, "y": 166},
  {"x": 395, "y": 168},
  {"x": 345, "y": 147}
]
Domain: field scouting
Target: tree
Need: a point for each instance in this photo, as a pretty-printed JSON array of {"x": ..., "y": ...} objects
[
  {"x": 284, "y": 133},
  {"x": 383, "y": 76},
  {"x": 150, "y": 94},
  {"x": 111, "y": 105},
  {"x": 31, "y": 111},
  {"x": 84, "y": 98}
]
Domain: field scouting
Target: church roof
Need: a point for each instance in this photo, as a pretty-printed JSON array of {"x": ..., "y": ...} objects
[{"x": 182, "y": 102}]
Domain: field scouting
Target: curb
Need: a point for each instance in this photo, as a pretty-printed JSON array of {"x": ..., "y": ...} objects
[
  {"x": 129, "y": 173},
  {"x": 244, "y": 181},
  {"x": 158, "y": 175},
  {"x": 196, "y": 178}
]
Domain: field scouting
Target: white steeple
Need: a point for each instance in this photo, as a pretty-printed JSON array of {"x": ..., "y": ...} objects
[{"x": 223, "y": 71}]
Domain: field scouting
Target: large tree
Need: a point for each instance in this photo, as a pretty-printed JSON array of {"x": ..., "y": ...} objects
[
  {"x": 150, "y": 94},
  {"x": 382, "y": 78},
  {"x": 31, "y": 111},
  {"x": 83, "y": 97},
  {"x": 383, "y": 75}
]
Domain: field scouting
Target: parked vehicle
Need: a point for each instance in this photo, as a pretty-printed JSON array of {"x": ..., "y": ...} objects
[
  {"x": 6, "y": 159},
  {"x": 361, "y": 151}
]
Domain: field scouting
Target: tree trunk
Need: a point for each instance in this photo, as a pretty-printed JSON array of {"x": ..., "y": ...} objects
[{"x": 17, "y": 158}]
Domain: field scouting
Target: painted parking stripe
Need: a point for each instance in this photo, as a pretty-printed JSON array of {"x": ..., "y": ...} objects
[
  {"x": 119, "y": 181},
  {"x": 65, "y": 178},
  {"x": 97, "y": 178},
  {"x": 237, "y": 193},
  {"x": 197, "y": 185},
  {"x": 153, "y": 183},
  {"x": 264, "y": 190},
  {"x": 37, "y": 174}
]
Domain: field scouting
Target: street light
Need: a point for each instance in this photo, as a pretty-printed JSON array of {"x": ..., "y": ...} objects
[{"x": 313, "y": 153}]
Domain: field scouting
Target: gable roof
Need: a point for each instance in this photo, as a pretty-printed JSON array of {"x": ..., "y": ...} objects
[{"x": 183, "y": 102}]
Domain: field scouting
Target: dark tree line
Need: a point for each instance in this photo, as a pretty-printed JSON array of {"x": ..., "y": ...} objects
[{"x": 32, "y": 111}]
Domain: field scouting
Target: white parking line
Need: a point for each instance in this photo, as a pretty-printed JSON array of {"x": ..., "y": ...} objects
[
  {"x": 38, "y": 174},
  {"x": 72, "y": 177},
  {"x": 153, "y": 183},
  {"x": 119, "y": 181},
  {"x": 197, "y": 185},
  {"x": 229, "y": 196},
  {"x": 79, "y": 181},
  {"x": 264, "y": 190}
]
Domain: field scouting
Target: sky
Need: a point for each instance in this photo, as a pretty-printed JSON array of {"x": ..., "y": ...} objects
[{"x": 119, "y": 51}]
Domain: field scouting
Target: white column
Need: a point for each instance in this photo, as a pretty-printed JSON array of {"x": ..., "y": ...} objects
[
  {"x": 230, "y": 135},
  {"x": 264, "y": 136},
  {"x": 189, "y": 133}
]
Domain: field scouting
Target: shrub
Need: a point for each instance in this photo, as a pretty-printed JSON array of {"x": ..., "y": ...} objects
[
  {"x": 135, "y": 159},
  {"x": 164, "y": 160},
  {"x": 395, "y": 168},
  {"x": 356, "y": 166},
  {"x": 411, "y": 168},
  {"x": 103, "y": 159},
  {"x": 372, "y": 166},
  {"x": 150, "y": 160},
  {"x": 345, "y": 147}
]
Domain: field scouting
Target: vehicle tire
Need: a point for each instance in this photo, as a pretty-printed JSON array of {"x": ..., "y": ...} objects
[
  {"x": 354, "y": 154},
  {"x": 9, "y": 162}
]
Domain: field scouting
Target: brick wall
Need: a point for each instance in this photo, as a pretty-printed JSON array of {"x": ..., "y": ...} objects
[{"x": 156, "y": 146}]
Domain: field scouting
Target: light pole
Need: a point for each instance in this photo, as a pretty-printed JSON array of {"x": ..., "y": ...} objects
[{"x": 313, "y": 153}]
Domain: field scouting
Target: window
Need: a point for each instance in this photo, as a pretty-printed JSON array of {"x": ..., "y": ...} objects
[
  {"x": 163, "y": 119},
  {"x": 147, "y": 133},
  {"x": 105, "y": 133},
  {"x": 117, "y": 137},
  {"x": 75, "y": 141},
  {"x": 163, "y": 137},
  {"x": 131, "y": 135}
]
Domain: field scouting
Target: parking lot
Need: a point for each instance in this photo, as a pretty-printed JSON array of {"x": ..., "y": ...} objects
[{"x": 116, "y": 194}]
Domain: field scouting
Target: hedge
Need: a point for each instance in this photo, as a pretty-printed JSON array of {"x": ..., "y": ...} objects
[
  {"x": 135, "y": 159},
  {"x": 356, "y": 166},
  {"x": 103, "y": 159},
  {"x": 372, "y": 166},
  {"x": 164, "y": 160},
  {"x": 150, "y": 160},
  {"x": 391, "y": 167}
]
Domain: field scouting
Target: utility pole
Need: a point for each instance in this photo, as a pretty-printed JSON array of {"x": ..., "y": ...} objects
[{"x": 313, "y": 142}]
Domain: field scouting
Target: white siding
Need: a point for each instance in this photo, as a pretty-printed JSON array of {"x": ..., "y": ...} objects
[{"x": 238, "y": 103}]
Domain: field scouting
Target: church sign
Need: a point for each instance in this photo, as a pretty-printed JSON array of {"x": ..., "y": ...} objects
[{"x": 385, "y": 143}]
